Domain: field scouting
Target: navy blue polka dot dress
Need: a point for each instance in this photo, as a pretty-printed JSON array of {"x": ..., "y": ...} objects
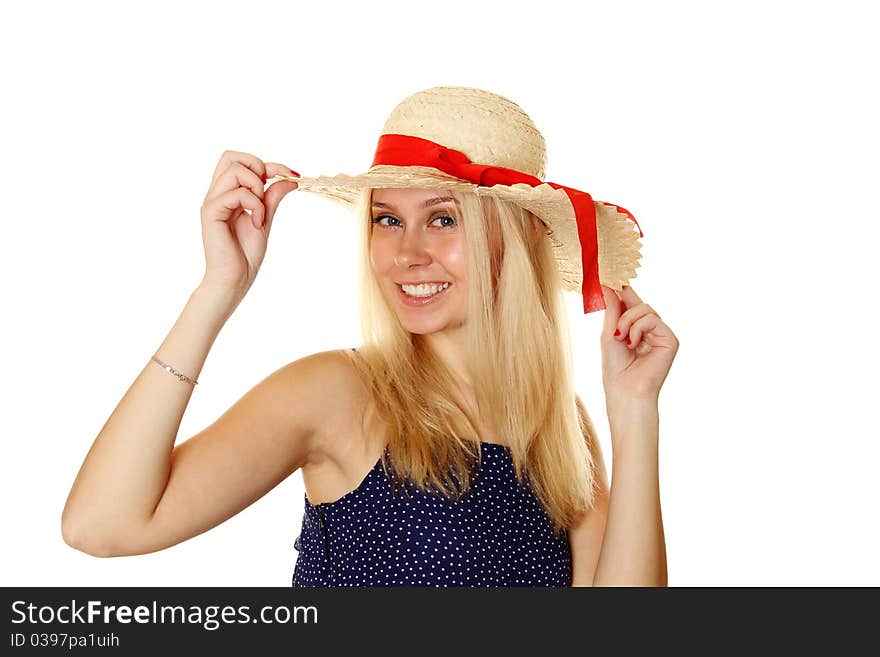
[{"x": 497, "y": 534}]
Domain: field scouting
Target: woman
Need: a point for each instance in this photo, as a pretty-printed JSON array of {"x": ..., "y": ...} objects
[{"x": 453, "y": 450}]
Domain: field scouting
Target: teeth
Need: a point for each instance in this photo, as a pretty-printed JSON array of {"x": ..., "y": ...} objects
[{"x": 423, "y": 290}]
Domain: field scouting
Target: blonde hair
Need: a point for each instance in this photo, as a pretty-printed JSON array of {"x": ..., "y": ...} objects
[{"x": 519, "y": 360}]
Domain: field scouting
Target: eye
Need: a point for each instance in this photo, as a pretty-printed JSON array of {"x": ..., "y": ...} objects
[
  {"x": 449, "y": 225},
  {"x": 378, "y": 220}
]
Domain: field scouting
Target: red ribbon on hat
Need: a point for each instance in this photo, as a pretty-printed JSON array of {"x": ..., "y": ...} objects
[{"x": 405, "y": 150}]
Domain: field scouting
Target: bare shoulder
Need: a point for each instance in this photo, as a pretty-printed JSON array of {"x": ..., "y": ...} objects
[{"x": 336, "y": 394}]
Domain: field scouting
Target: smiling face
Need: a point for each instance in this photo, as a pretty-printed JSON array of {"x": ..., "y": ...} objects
[{"x": 417, "y": 237}]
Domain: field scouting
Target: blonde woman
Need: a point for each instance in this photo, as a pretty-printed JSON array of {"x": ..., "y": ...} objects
[{"x": 453, "y": 450}]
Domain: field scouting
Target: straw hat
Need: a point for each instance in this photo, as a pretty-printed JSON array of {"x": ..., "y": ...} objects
[{"x": 465, "y": 139}]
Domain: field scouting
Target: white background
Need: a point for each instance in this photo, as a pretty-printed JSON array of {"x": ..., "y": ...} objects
[{"x": 744, "y": 139}]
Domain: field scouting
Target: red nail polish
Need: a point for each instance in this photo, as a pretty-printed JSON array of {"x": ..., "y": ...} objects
[
  {"x": 264, "y": 177},
  {"x": 628, "y": 342},
  {"x": 616, "y": 332},
  {"x": 294, "y": 173}
]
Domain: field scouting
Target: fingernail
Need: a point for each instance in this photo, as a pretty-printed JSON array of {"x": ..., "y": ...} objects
[
  {"x": 628, "y": 342},
  {"x": 264, "y": 178},
  {"x": 294, "y": 173},
  {"x": 616, "y": 332}
]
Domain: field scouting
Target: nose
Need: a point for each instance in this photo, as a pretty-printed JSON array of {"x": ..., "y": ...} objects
[{"x": 411, "y": 251}]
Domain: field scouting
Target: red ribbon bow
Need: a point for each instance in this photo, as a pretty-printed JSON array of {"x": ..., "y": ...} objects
[{"x": 404, "y": 150}]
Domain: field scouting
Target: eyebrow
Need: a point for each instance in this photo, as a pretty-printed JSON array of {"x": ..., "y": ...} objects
[{"x": 437, "y": 200}]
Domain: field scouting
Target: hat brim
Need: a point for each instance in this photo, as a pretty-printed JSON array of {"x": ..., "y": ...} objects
[{"x": 619, "y": 246}]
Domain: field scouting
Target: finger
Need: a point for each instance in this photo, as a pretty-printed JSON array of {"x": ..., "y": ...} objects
[
  {"x": 656, "y": 333},
  {"x": 240, "y": 197},
  {"x": 275, "y": 193},
  {"x": 228, "y": 158},
  {"x": 237, "y": 175},
  {"x": 629, "y": 296},
  {"x": 644, "y": 325},
  {"x": 273, "y": 196},
  {"x": 612, "y": 310},
  {"x": 274, "y": 169},
  {"x": 632, "y": 315}
]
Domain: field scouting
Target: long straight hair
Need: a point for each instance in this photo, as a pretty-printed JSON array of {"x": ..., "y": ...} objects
[{"x": 519, "y": 362}]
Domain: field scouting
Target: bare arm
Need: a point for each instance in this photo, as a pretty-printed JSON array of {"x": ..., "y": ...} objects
[
  {"x": 132, "y": 493},
  {"x": 137, "y": 493},
  {"x": 634, "y": 547},
  {"x": 585, "y": 537},
  {"x": 124, "y": 474}
]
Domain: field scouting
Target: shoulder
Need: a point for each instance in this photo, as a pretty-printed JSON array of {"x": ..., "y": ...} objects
[
  {"x": 334, "y": 365},
  {"x": 331, "y": 391},
  {"x": 328, "y": 378}
]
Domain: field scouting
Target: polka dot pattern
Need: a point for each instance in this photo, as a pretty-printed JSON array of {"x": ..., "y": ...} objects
[{"x": 497, "y": 534}]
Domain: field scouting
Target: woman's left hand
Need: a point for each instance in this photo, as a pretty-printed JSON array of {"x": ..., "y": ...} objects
[{"x": 638, "y": 370}]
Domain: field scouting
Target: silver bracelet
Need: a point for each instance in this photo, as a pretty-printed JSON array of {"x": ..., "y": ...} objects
[{"x": 173, "y": 371}]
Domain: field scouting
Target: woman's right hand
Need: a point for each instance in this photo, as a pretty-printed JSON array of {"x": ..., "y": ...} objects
[{"x": 235, "y": 242}]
